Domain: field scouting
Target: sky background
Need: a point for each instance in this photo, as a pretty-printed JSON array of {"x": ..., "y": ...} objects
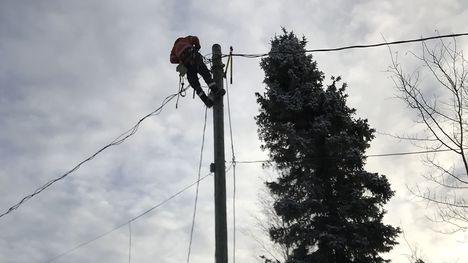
[{"x": 76, "y": 74}]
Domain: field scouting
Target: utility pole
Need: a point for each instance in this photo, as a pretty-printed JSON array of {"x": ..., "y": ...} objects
[{"x": 221, "y": 252}]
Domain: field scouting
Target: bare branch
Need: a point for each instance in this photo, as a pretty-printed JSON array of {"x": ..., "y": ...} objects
[
  {"x": 446, "y": 172},
  {"x": 443, "y": 116},
  {"x": 407, "y": 137}
]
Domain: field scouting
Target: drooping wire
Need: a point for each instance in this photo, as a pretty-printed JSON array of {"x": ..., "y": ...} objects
[
  {"x": 352, "y": 47},
  {"x": 369, "y": 156},
  {"x": 126, "y": 222},
  {"x": 233, "y": 161},
  {"x": 408, "y": 153},
  {"x": 117, "y": 141},
  {"x": 197, "y": 188},
  {"x": 130, "y": 242}
]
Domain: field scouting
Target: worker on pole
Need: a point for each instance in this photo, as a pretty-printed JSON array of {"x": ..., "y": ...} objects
[{"x": 185, "y": 53}]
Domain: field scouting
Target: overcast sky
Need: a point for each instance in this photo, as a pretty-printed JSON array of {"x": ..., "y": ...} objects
[{"x": 76, "y": 74}]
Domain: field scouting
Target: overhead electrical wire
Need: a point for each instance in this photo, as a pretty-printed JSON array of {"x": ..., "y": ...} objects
[
  {"x": 368, "y": 156},
  {"x": 408, "y": 153},
  {"x": 119, "y": 140},
  {"x": 129, "y": 242},
  {"x": 351, "y": 47},
  {"x": 126, "y": 222}
]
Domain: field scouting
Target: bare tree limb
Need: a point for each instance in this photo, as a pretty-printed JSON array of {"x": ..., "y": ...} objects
[{"x": 443, "y": 116}]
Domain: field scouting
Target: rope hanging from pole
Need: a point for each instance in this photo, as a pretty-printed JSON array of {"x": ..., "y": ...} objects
[
  {"x": 233, "y": 163},
  {"x": 198, "y": 184}
]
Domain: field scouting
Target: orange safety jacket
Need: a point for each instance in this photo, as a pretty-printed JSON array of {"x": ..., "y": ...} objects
[{"x": 180, "y": 45}]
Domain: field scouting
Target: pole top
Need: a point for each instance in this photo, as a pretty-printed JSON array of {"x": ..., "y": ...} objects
[{"x": 216, "y": 49}]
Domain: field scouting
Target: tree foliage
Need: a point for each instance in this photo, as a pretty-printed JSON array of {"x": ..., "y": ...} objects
[{"x": 331, "y": 207}]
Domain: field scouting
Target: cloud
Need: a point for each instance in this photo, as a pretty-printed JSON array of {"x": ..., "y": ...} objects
[{"x": 76, "y": 74}]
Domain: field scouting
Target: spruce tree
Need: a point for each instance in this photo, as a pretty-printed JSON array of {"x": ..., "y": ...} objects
[{"x": 331, "y": 206}]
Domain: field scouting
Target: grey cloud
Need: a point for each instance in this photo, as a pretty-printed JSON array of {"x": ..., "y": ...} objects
[{"x": 76, "y": 74}]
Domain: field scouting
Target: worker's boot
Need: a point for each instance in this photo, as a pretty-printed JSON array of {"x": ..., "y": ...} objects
[
  {"x": 215, "y": 91},
  {"x": 208, "y": 101}
]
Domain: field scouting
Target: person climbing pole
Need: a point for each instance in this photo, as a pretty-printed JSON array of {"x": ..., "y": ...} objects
[{"x": 185, "y": 52}]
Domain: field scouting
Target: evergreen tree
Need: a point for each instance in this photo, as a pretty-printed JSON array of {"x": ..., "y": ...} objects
[{"x": 331, "y": 206}]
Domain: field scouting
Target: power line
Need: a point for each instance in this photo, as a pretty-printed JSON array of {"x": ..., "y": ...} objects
[
  {"x": 408, "y": 153},
  {"x": 119, "y": 140},
  {"x": 129, "y": 242},
  {"x": 126, "y": 222},
  {"x": 198, "y": 184},
  {"x": 369, "y": 156},
  {"x": 351, "y": 47}
]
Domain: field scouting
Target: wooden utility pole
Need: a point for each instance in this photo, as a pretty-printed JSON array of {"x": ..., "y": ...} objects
[{"x": 221, "y": 252}]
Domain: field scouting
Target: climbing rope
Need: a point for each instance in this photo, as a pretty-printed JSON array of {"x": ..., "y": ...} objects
[
  {"x": 197, "y": 187},
  {"x": 233, "y": 160}
]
